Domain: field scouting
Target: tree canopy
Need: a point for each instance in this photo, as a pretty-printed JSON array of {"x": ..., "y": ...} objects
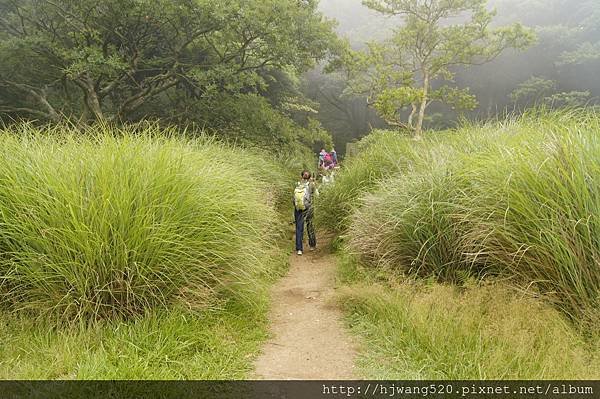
[
  {"x": 246, "y": 68},
  {"x": 435, "y": 37},
  {"x": 125, "y": 60}
]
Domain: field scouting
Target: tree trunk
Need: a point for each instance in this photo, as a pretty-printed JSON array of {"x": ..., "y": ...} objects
[
  {"x": 412, "y": 115},
  {"x": 91, "y": 99},
  {"x": 54, "y": 116},
  {"x": 423, "y": 106},
  {"x": 40, "y": 94},
  {"x": 93, "y": 103}
]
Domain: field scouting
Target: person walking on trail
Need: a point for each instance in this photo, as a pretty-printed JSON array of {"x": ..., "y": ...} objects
[
  {"x": 303, "y": 211},
  {"x": 322, "y": 157},
  {"x": 328, "y": 161},
  {"x": 334, "y": 156}
]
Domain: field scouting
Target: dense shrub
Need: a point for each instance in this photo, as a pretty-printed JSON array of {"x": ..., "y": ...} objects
[
  {"x": 519, "y": 199},
  {"x": 103, "y": 223}
]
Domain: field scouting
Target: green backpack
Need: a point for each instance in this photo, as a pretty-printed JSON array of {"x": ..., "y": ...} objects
[{"x": 302, "y": 196}]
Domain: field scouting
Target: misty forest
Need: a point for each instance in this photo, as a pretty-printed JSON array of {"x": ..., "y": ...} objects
[{"x": 446, "y": 152}]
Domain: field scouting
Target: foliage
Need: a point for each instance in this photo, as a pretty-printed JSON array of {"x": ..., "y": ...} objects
[
  {"x": 585, "y": 35},
  {"x": 534, "y": 90},
  {"x": 401, "y": 72},
  {"x": 571, "y": 99},
  {"x": 346, "y": 117},
  {"x": 129, "y": 60},
  {"x": 537, "y": 91},
  {"x": 565, "y": 52},
  {"x": 251, "y": 121},
  {"x": 516, "y": 199},
  {"x": 118, "y": 222},
  {"x": 584, "y": 52}
]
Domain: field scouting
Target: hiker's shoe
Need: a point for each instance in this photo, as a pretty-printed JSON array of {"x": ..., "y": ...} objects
[
  {"x": 313, "y": 248},
  {"x": 299, "y": 252}
]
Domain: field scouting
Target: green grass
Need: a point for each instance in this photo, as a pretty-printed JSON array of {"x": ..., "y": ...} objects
[
  {"x": 164, "y": 345},
  {"x": 135, "y": 253},
  {"x": 416, "y": 330},
  {"x": 108, "y": 224},
  {"x": 518, "y": 199},
  {"x": 475, "y": 254},
  {"x": 409, "y": 224},
  {"x": 220, "y": 343},
  {"x": 382, "y": 154},
  {"x": 536, "y": 215}
]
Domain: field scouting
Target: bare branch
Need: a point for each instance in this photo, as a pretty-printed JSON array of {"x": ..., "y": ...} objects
[
  {"x": 8, "y": 109},
  {"x": 39, "y": 94}
]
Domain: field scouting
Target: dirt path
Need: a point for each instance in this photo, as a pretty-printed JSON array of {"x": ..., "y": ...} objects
[{"x": 308, "y": 337}]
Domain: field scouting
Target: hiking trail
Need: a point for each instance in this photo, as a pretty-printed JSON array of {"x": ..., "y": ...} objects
[{"x": 308, "y": 338}]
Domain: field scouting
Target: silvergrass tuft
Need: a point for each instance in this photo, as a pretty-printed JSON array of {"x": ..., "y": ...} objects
[
  {"x": 108, "y": 223},
  {"x": 518, "y": 199}
]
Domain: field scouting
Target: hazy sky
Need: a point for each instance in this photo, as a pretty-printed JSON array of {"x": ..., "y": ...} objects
[{"x": 356, "y": 20}]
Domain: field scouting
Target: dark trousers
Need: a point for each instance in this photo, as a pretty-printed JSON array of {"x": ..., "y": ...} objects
[{"x": 302, "y": 217}]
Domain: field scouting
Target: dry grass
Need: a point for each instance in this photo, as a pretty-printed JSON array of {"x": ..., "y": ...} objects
[{"x": 442, "y": 332}]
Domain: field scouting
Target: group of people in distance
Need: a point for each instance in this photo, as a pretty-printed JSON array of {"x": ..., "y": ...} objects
[
  {"x": 327, "y": 160},
  {"x": 304, "y": 193}
]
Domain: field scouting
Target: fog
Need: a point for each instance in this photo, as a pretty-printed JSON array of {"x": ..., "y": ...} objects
[
  {"x": 566, "y": 58},
  {"x": 246, "y": 69}
]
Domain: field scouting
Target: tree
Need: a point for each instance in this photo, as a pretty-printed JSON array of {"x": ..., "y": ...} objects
[
  {"x": 537, "y": 91},
  {"x": 346, "y": 117},
  {"x": 585, "y": 36},
  {"x": 567, "y": 35},
  {"x": 436, "y": 37},
  {"x": 114, "y": 59}
]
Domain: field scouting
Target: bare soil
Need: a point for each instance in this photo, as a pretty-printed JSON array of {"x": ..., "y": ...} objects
[{"x": 308, "y": 339}]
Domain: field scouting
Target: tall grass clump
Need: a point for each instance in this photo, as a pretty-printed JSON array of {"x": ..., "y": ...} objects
[
  {"x": 518, "y": 199},
  {"x": 104, "y": 223},
  {"x": 413, "y": 221},
  {"x": 535, "y": 213},
  {"x": 381, "y": 154},
  {"x": 410, "y": 225}
]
